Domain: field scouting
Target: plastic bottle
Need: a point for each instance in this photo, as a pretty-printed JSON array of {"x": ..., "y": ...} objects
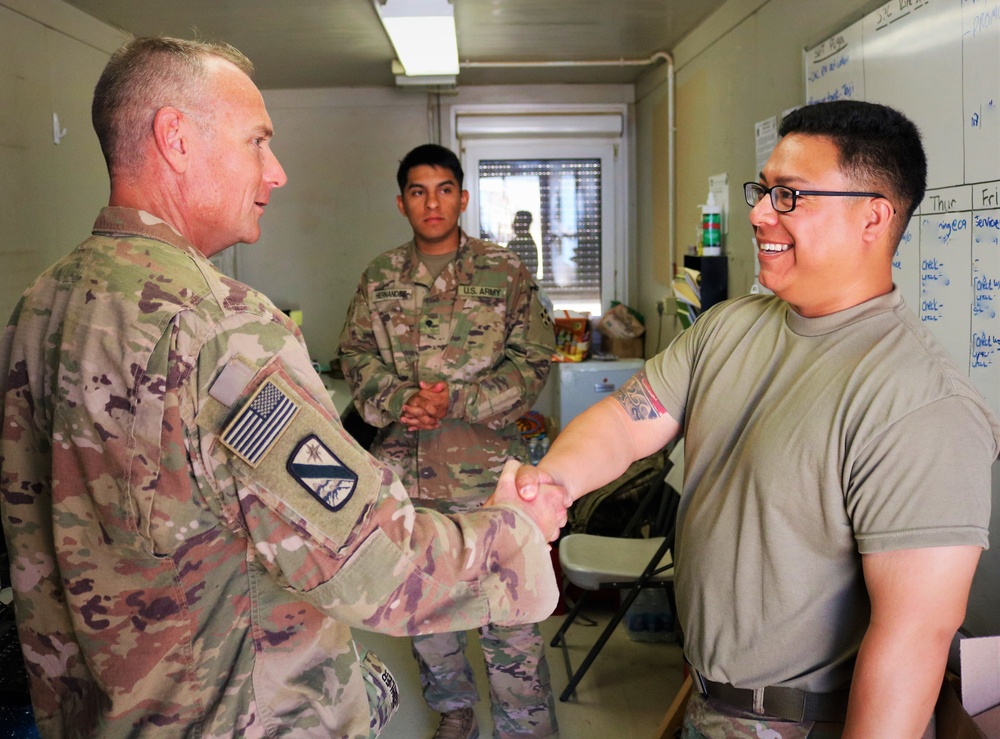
[
  {"x": 533, "y": 450},
  {"x": 711, "y": 228},
  {"x": 649, "y": 618}
]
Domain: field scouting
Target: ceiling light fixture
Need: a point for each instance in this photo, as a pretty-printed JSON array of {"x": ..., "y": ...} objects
[{"x": 423, "y": 35}]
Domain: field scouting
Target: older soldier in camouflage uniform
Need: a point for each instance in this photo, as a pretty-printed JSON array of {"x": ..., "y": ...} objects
[
  {"x": 192, "y": 532},
  {"x": 446, "y": 344}
]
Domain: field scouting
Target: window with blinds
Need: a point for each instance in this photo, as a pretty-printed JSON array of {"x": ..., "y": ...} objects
[
  {"x": 549, "y": 212},
  {"x": 550, "y": 182}
]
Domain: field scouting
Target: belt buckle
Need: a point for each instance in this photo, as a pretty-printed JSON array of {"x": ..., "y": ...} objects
[{"x": 785, "y": 703}]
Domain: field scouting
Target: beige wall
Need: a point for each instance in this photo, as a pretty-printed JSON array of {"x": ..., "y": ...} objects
[
  {"x": 50, "y": 58},
  {"x": 340, "y": 149}
]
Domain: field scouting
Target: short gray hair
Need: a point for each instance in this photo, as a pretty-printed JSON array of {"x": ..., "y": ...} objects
[{"x": 144, "y": 75}]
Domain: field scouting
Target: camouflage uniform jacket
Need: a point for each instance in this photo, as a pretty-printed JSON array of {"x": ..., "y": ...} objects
[
  {"x": 180, "y": 571},
  {"x": 481, "y": 328}
]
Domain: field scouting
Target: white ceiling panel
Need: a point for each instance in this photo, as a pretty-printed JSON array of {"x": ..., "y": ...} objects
[{"x": 336, "y": 43}]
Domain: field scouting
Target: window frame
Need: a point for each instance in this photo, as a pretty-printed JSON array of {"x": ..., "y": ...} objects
[{"x": 540, "y": 132}]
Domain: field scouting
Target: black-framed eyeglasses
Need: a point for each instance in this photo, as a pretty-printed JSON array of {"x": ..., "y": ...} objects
[{"x": 784, "y": 199}]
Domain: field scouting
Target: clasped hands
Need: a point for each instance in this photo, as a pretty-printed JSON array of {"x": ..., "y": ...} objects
[
  {"x": 536, "y": 493},
  {"x": 424, "y": 409},
  {"x": 529, "y": 488}
]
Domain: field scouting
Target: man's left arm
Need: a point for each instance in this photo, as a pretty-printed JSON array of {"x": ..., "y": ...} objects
[
  {"x": 499, "y": 396},
  {"x": 918, "y": 599}
]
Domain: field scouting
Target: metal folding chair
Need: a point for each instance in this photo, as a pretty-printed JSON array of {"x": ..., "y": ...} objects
[{"x": 595, "y": 563}]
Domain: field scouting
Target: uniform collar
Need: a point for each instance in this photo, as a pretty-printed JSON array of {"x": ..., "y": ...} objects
[
  {"x": 417, "y": 273},
  {"x": 117, "y": 221},
  {"x": 828, "y": 324}
]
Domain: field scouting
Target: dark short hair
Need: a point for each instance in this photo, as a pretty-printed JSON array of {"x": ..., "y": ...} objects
[
  {"x": 144, "y": 75},
  {"x": 431, "y": 155},
  {"x": 879, "y": 147}
]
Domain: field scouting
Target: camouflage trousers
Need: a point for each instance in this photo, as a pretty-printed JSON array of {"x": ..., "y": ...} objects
[
  {"x": 708, "y": 719},
  {"x": 521, "y": 701}
]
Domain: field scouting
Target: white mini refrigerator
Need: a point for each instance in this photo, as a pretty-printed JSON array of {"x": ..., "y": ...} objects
[{"x": 578, "y": 385}]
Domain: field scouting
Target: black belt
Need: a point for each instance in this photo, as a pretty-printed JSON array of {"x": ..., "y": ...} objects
[{"x": 790, "y": 704}]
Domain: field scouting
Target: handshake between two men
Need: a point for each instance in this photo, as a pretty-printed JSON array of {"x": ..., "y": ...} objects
[{"x": 536, "y": 493}]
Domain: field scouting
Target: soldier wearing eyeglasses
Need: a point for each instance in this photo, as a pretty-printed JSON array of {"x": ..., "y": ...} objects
[{"x": 838, "y": 462}]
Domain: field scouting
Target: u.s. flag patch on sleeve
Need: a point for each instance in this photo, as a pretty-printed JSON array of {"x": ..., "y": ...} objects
[{"x": 260, "y": 424}]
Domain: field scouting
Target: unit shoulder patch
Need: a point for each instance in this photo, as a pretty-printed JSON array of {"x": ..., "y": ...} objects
[{"x": 322, "y": 473}]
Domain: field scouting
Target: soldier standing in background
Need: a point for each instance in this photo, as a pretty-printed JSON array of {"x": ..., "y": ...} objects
[
  {"x": 446, "y": 344},
  {"x": 523, "y": 243},
  {"x": 191, "y": 531}
]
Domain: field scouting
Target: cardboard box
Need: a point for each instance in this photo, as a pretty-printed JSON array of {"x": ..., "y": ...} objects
[
  {"x": 622, "y": 348},
  {"x": 953, "y": 722},
  {"x": 989, "y": 722},
  {"x": 976, "y": 715}
]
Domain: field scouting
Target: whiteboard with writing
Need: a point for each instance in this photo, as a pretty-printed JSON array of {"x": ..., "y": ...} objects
[{"x": 938, "y": 61}]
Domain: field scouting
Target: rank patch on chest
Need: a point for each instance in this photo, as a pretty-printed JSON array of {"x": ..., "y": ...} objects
[
  {"x": 321, "y": 472},
  {"x": 260, "y": 424}
]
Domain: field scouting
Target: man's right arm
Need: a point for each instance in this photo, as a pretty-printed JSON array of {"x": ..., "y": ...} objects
[
  {"x": 598, "y": 445},
  {"x": 379, "y": 394}
]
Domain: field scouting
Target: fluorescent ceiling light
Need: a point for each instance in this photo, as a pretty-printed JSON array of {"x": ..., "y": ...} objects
[
  {"x": 423, "y": 34},
  {"x": 426, "y": 80}
]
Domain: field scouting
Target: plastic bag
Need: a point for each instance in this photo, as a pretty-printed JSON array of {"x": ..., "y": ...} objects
[{"x": 621, "y": 322}]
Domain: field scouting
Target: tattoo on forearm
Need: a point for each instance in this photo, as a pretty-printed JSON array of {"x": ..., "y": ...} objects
[{"x": 638, "y": 399}]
